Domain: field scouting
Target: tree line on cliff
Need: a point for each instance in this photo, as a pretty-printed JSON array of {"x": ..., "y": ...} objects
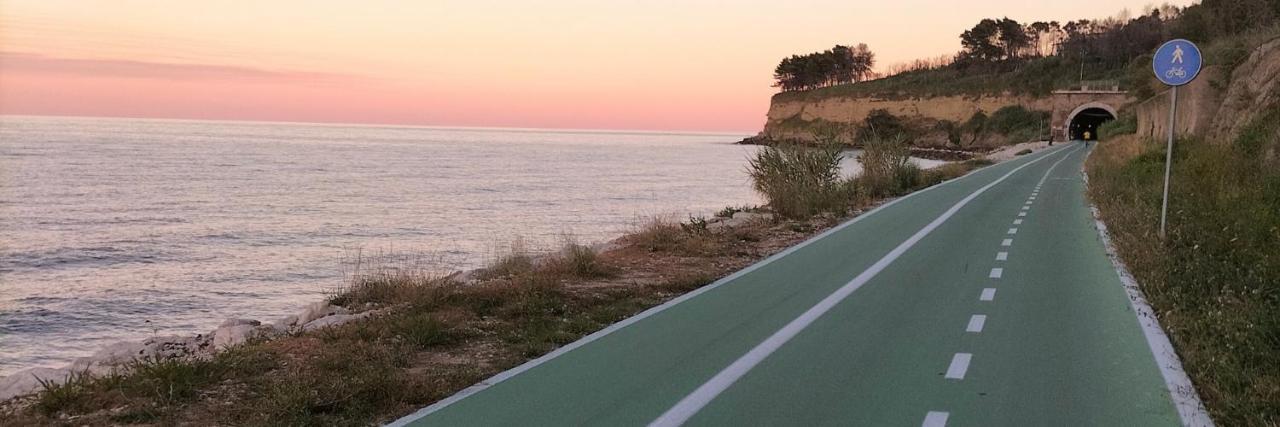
[
  {"x": 1002, "y": 45},
  {"x": 838, "y": 65}
]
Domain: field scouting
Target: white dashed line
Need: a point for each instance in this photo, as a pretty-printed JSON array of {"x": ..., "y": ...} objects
[
  {"x": 959, "y": 365},
  {"x": 935, "y": 419},
  {"x": 1002, "y": 256},
  {"x": 1017, "y": 222},
  {"x": 1022, "y": 214},
  {"x": 996, "y": 273},
  {"x": 976, "y": 323},
  {"x": 1007, "y": 242},
  {"x": 988, "y": 294},
  {"x": 1013, "y": 231},
  {"x": 692, "y": 403},
  {"x": 1026, "y": 208}
]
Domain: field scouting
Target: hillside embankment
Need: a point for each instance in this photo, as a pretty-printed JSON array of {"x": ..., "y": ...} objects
[
  {"x": 794, "y": 118},
  {"x": 1214, "y": 281}
]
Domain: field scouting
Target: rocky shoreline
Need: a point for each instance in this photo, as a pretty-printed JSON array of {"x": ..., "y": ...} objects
[{"x": 119, "y": 356}]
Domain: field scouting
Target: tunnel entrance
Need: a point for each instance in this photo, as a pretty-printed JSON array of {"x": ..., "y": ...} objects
[{"x": 1084, "y": 124}]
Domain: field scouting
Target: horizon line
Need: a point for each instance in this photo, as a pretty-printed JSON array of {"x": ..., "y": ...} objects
[{"x": 399, "y": 125}]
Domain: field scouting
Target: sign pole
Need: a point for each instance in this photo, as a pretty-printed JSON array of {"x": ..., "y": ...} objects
[
  {"x": 1168, "y": 158},
  {"x": 1175, "y": 63}
]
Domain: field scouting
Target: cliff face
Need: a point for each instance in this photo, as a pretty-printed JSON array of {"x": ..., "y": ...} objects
[{"x": 795, "y": 120}]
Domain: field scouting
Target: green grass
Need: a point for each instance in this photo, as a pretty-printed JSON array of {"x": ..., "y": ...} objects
[
  {"x": 1126, "y": 124},
  {"x": 1038, "y": 77},
  {"x": 1215, "y": 281}
]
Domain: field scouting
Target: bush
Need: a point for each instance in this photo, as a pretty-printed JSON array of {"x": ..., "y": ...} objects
[
  {"x": 886, "y": 166},
  {"x": 1018, "y": 123},
  {"x": 881, "y": 124},
  {"x": 800, "y": 182}
]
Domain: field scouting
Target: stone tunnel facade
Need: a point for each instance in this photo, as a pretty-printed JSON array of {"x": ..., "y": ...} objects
[{"x": 1069, "y": 103}]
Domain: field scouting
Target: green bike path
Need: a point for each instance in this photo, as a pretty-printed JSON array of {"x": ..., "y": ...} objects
[{"x": 987, "y": 300}]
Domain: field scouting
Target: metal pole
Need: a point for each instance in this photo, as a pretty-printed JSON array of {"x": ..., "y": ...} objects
[{"x": 1168, "y": 158}]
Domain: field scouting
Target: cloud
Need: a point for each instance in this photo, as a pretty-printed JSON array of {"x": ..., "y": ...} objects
[{"x": 29, "y": 63}]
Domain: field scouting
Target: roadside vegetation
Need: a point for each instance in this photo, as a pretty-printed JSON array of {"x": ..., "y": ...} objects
[
  {"x": 804, "y": 181},
  {"x": 1215, "y": 281}
]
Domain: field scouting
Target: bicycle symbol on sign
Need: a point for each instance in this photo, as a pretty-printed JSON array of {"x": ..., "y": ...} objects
[{"x": 1177, "y": 72}]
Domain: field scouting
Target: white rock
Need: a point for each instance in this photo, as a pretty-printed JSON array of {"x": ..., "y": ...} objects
[
  {"x": 28, "y": 381},
  {"x": 227, "y": 336},
  {"x": 238, "y": 322},
  {"x": 317, "y": 310},
  {"x": 334, "y": 320},
  {"x": 751, "y": 216}
]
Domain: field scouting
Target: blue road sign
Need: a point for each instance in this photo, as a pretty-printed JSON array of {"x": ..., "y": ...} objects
[{"x": 1177, "y": 62}]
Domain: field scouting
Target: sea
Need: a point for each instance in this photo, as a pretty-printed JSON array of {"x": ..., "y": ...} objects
[{"x": 120, "y": 229}]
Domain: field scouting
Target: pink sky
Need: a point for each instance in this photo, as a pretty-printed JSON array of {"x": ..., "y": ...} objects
[{"x": 601, "y": 64}]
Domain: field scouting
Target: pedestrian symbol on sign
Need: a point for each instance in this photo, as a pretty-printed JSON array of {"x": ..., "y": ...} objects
[{"x": 1177, "y": 62}]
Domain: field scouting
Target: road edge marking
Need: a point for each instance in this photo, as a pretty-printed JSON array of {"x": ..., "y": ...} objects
[
  {"x": 1186, "y": 400},
  {"x": 507, "y": 374},
  {"x": 692, "y": 403}
]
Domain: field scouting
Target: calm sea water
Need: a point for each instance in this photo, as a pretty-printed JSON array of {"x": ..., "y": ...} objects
[{"x": 114, "y": 229}]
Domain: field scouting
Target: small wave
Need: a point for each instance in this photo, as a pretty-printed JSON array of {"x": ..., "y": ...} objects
[{"x": 95, "y": 256}]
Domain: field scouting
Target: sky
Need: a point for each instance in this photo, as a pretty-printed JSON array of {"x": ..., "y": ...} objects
[{"x": 691, "y": 65}]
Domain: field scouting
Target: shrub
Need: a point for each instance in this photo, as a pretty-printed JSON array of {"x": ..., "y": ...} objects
[
  {"x": 881, "y": 124},
  {"x": 800, "y": 181},
  {"x": 886, "y": 162}
]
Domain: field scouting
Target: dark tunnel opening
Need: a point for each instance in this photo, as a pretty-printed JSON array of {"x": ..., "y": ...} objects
[{"x": 1084, "y": 126}]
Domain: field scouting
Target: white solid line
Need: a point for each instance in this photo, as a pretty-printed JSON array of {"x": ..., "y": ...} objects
[
  {"x": 704, "y": 394},
  {"x": 1002, "y": 256},
  {"x": 1183, "y": 393},
  {"x": 935, "y": 419},
  {"x": 988, "y": 294},
  {"x": 959, "y": 365},
  {"x": 1017, "y": 222},
  {"x": 1013, "y": 231},
  {"x": 996, "y": 273},
  {"x": 1007, "y": 242},
  {"x": 976, "y": 323}
]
